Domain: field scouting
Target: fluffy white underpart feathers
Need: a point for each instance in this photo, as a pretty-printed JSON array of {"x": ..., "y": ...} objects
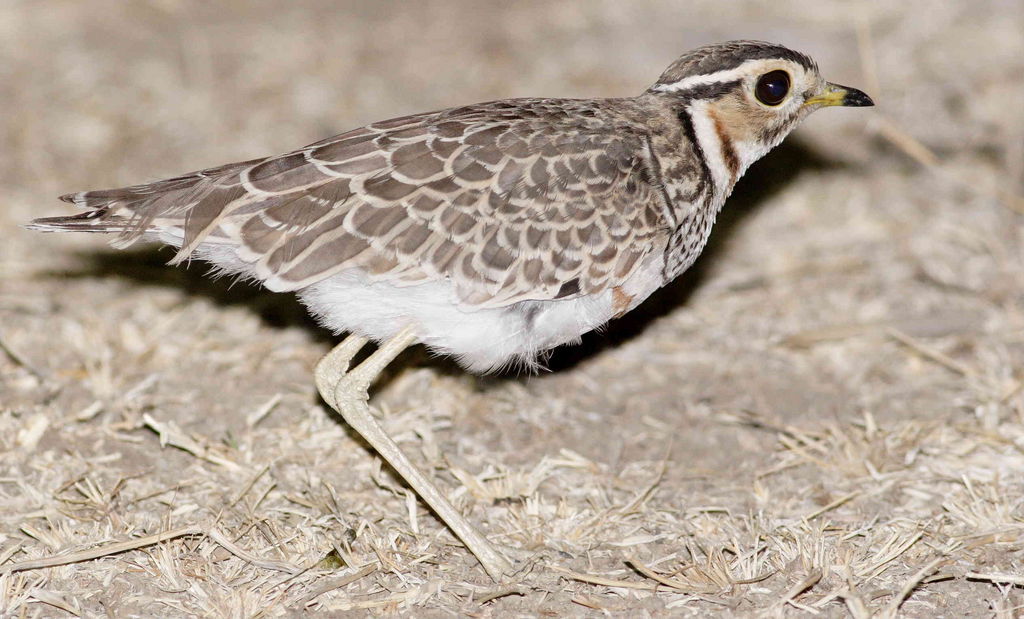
[{"x": 481, "y": 340}]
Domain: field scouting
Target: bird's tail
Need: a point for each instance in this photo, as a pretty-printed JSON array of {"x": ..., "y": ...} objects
[{"x": 134, "y": 211}]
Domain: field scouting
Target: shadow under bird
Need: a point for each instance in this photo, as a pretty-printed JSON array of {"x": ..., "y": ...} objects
[{"x": 491, "y": 232}]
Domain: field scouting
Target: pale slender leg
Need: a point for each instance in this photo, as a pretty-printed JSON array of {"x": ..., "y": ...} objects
[{"x": 346, "y": 391}]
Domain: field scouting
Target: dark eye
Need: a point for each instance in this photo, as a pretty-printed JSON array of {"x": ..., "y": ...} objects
[{"x": 772, "y": 87}]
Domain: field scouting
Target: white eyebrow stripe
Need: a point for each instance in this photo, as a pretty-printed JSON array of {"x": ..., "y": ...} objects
[{"x": 729, "y": 75}]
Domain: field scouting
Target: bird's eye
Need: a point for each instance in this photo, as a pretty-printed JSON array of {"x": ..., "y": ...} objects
[{"x": 772, "y": 87}]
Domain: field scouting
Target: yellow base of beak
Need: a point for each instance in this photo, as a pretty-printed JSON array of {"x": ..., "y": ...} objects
[{"x": 840, "y": 95}]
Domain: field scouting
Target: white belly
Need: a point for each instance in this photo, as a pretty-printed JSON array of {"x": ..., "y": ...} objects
[{"x": 481, "y": 340}]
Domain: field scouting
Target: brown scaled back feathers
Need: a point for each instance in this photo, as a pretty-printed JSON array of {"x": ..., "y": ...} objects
[{"x": 510, "y": 200}]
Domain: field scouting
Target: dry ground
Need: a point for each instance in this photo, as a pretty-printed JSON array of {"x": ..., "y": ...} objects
[{"x": 824, "y": 417}]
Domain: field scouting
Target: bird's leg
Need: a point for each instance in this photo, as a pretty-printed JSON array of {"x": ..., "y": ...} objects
[
  {"x": 334, "y": 365},
  {"x": 346, "y": 391}
]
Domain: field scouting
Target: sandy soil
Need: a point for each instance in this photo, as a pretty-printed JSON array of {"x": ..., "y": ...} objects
[{"x": 825, "y": 416}]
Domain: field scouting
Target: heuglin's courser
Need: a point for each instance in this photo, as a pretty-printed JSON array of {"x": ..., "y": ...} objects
[{"x": 491, "y": 232}]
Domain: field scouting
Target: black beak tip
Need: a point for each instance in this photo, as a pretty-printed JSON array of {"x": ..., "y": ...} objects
[{"x": 856, "y": 98}]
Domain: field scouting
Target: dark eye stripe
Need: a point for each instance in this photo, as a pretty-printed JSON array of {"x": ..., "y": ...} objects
[{"x": 772, "y": 87}]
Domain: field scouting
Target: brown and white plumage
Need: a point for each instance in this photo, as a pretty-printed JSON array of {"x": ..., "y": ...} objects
[
  {"x": 523, "y": 222},
  {"x": 511, "y": 200},
  {"x": 491, "y": 232}
]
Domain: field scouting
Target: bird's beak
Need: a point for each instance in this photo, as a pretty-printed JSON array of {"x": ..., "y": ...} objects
[{"x": 835, "y": 94}]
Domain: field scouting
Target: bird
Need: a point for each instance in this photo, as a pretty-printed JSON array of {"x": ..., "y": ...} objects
[{"x": 491, "y": 232}]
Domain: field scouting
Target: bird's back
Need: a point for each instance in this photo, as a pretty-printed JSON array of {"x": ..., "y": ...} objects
[{"x": 513, "y": 200}]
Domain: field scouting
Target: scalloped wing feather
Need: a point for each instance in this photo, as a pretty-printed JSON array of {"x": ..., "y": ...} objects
[{"x": 511, "y": 201}]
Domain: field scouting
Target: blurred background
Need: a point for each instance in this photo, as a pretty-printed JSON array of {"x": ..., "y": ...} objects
[{"x": 854, "y": 330}]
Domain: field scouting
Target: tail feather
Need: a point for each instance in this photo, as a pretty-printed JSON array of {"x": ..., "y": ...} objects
[
  {"x": 139, "y": 209},
  {"x": 92, "y": 221}
]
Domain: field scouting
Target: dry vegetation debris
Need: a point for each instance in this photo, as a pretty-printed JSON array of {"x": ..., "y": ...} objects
[{"x": 826, "y": 417}]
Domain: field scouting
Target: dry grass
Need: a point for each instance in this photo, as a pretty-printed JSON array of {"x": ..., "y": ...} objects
[{"x": 826, "y": 417}]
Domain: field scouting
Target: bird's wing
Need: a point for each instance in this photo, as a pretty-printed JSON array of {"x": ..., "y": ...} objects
[{"x": 510, "y": 201}]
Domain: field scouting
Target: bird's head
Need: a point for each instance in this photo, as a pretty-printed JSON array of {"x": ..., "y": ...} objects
[{"x": 751, "y": 94}]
